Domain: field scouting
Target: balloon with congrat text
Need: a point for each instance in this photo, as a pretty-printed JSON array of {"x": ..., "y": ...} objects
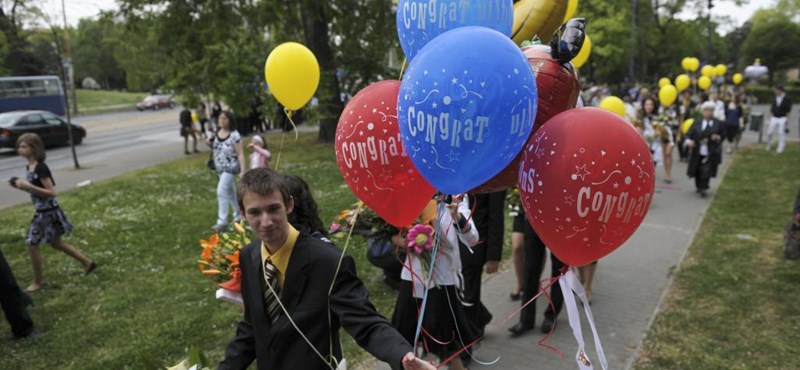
[
  {"x": 372, "y": 159},
  {"x": 463, "y": 116},
  {"x": 585, "y": 197},
  {"x": 421, "y": 21}
]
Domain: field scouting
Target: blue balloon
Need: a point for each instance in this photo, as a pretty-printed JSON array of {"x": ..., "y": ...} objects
[
  {"x": 466, "y": 107},
  {"x": 420, "y": 21}
]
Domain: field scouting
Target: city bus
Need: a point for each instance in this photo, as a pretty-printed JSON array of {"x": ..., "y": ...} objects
[{"x": 32, "y": 93}]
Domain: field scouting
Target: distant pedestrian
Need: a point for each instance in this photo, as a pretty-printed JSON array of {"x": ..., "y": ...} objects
[
  {"x": 202, "y": 116},
  {"x": 187, "y": 131},
  {"x": 734, "y": 123},
  {"x": 215, "y": 112},
  {"x": 781, "y": 109},
  {"x": 49, "y": 221},
  {"x": 228, "y": 161},
  {"x": 260, "y": 156},
  {"x": 705, "y": 141},
  {"x": 14, "y": 302}
]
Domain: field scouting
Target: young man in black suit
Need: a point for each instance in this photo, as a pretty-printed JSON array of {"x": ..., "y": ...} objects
[
  {"x": 286, "y": 272},
  {"x": 781, "y": 107},
  {"x": 705, "y": 140}
]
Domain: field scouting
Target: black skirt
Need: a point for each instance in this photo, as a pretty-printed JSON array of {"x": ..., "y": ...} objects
[
  {"x": 444, "y": 319},
  {"x": 520, "y": 222}
]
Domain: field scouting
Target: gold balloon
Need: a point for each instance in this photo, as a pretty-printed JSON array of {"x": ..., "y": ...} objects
[
  {"x": 682, "y": 82},
  {"x": 613, "y": 104},
  {"x": 704, "y": 82},
  {"x": 572, "y": 7},
  {"x": 737, "y": 78},
  {"x": 663, "y": 81},
  {"x": 686, "y": 64},
  {"x": 583, "y": 55},
  {"x": 537, "y": 17},
  {"x": 721, "y": 69},
  {"x": 694, "y": 64}
]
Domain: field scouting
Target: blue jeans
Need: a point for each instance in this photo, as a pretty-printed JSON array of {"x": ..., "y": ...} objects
[{"x": 226, "y": 197}]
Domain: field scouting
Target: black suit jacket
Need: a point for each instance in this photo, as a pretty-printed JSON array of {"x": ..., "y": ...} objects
[
  {"x": 783, "y": 109},
  {"x": 698, "y": 135},
  {"x": 311, "y": 268},
  {"x": 489, "y": 218}
]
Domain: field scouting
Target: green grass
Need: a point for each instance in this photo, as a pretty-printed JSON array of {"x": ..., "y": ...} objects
[
  {"x": 100, "y": 100},
  {"x": 147, "y": 301},
  {"x": 734, "y": 302}
]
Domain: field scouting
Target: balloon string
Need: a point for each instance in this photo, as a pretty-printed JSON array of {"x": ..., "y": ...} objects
[
  {"x": 288, "y": 114},
  {"x": 402, "y": 69},
  {"x": 336, "y": 274}
]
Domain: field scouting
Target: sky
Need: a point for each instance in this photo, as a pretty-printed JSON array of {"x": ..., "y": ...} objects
[{"x": 77, "y": 9}]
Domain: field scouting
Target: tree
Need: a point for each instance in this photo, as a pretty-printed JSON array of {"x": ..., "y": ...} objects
[
  {"x": 19, "y": 57},
  {"x": 773, "y": 39},
  {"x": 94, "y": 46}
]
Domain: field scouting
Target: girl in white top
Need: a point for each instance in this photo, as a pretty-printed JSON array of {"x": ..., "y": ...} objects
[{"x": 444, "y": 316}]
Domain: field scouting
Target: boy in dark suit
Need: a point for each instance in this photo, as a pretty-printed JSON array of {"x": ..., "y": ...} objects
[
  {"x": 705, "y": 140},
  {"x": 289, "y": 273},
  {"x": 781, "y": 107}
]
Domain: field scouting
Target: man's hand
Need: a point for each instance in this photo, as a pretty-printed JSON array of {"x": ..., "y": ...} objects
[
  {"x": 715, "y": 137},
  {"x": 689, "y": 143},
  {"x": 411, "y": 362},
  {"x": 492, "y": 267}
]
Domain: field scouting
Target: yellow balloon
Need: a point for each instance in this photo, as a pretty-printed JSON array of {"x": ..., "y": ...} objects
[
  {"x": 737, "y": 78},
  {"x": 682, "y": 82},
  {"x": 721, "y": 69},
  {"x": 583, "y": 55},
  {"x": 537, "y": 17},
  {"x": 704, "y": 82},
  {"x": 686, "y": 63},
  {"x": 686, "y": 125},
  {"x": 667, "y": 95},
  {"x": 613, "y": 104},
  {"x": 572, "y": 7},
  {"x": 194, "y": 117},
  {"x": 694, "y": 64},
  {"x": 292, "y": 73},
  {"x": 708, "y": 71},
  {"x": 663, "y": 81}
]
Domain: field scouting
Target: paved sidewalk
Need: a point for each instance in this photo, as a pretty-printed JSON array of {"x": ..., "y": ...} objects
[{"x": 627, "y": 290}]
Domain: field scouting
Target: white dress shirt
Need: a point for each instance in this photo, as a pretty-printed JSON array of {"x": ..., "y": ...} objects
[{"x": 704, "y": 146}]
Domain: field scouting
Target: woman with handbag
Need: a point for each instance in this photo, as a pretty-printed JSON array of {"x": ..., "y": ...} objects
[{"x": 228, "y": 162}]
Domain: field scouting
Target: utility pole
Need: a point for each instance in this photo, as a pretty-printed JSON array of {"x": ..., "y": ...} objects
[
  {"x": 64, "y": 75},
  {"x": 68, "y": 57},
  {"x": 632, "y": 60},
  {"x": 710, "y": 53}
]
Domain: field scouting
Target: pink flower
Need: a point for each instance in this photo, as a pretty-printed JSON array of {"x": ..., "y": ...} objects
[
  {"x": 420, "y": 239},
  {"x": 335, "y": 227}
]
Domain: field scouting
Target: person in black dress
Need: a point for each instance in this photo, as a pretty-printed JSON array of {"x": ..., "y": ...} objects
[{"x": 14, "y": 302}]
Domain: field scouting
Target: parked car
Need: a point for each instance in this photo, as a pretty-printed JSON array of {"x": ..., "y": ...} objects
[
  {"x": 156, "y": 102},
  {"x": 50, "y": 127}
]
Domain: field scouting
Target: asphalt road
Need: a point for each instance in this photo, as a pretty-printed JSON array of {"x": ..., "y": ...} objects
[{"x": 115, "y": 143}]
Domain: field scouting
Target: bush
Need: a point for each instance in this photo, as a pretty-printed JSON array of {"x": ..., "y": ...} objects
[{"x": 765, "y": 94}]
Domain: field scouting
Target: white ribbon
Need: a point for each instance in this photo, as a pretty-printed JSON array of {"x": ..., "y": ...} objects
[{"x": 569, "y": 283}]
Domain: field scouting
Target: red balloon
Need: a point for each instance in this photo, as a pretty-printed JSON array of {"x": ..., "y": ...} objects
[
  {"x": 586, "y": 182},
  {"x": 372, "y": 160},
  {"x": 558, "y": 89}
]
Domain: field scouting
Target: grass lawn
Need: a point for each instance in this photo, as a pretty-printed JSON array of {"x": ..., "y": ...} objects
[
  {"x": 147, "y": 301},
  {"x": 734, "y": 302},
  {"x": 98, "y": 100}
]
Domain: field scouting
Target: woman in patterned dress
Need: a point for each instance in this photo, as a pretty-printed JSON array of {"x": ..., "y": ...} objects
[
  {"x": 228, "y": 161},
  {"x": 49, "y": 222}
]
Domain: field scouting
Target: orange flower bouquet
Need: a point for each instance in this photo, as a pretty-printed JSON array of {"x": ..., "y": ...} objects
[{"x": 219, "y": 260}]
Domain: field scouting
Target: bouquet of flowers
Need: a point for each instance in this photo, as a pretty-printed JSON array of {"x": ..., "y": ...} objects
[
  {"x": 219, "y": 260},
  {"x": 362, "y": 221}
]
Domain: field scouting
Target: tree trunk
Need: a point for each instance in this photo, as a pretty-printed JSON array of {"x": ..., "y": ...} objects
[{"x": 315, "y": 25}]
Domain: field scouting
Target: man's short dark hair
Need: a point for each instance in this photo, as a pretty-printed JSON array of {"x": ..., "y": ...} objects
[
  {"x": 779, "y": 88},
  {"x": 262, "y": 181}
]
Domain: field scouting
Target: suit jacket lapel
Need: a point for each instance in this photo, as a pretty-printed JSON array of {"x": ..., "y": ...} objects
[{"x": 256, "y": 286}]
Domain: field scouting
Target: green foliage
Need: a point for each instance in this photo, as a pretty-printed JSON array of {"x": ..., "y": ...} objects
[
  {"x": 94, "y": 100},
  {"x": 765, "y": 94},
  {"x": 772, "y": 39},
  {"x": 732, "y": 303},
  {"x": 96, "y": 42}
]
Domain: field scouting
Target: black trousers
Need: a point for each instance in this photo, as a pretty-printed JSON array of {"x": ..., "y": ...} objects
[
  {"x": 701, "y": 180},
  {"x": 14, "y": 301},
  {"x": 474, "y": 309},
  {"x": 535, "y": 252}
]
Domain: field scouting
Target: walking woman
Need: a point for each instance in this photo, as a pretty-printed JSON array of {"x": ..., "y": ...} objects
[
  {"x": 49, "y": 222},
  {"x": 734, "y": 123},
  {"x": 228, "y": 161}
]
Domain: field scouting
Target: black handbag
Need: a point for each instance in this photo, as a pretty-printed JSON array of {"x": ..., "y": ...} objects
[{"x": 210, "y": 164}]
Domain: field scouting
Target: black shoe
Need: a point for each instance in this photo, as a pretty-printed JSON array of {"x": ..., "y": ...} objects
[
  {"x": 89, "y": 270},
  {"x": 32, "y": 333},
  {"x": 548, "y": 324},
  {"x": 515, "y": 296},
  {"x": 703, "y": 193},
  {"x": 520, "y": 329}
]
